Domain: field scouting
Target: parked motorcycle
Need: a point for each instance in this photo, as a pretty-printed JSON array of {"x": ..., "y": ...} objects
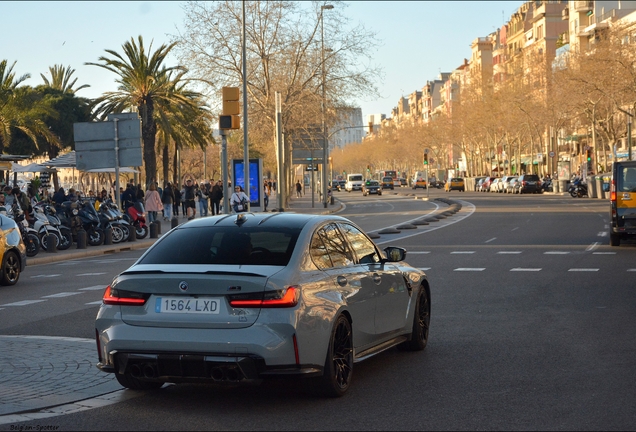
[
  {"x": 578, "y": 188},
  {"x": 66, "y": 237},
  {"x": 546, "y": 185},
  {"x": 108, "y": 221},
  {"x": 41, "y": 224},
  {"x": 82, "y": 214}
]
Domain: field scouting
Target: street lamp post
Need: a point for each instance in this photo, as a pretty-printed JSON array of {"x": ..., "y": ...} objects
[{"x": 325, "y": 152}]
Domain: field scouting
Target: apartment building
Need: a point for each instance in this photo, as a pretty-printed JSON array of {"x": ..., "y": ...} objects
[
  {"x": 348, "y": 127},
  {"x": 586, "y": 19},
  {"x": 431, "y": 96},
  {"x": 480, "y": 68}
]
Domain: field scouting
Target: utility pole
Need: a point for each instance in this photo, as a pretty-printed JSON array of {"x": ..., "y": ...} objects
[{"x": 246, "y": 152}]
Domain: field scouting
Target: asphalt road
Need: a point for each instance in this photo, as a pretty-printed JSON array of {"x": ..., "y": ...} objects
[{"x": 532, "y": 328}]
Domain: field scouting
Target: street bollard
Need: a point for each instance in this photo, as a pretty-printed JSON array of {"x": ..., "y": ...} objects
[
  {"x": 108, "y": 236},
  {"x": 174, "y": 222},
  {"x": 132, "y": 235},
  {"x": 153, "y": 230},
  {"x": 51, "y": 243},
  {"x": 81, "y": 239}
]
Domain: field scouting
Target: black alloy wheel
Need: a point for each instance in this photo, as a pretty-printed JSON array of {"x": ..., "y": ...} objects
[
  {"x": 141, "y": 231},
  {"x": 10, "y": 269},
  {"x": 338, "y": 370},
  {"x": 32, "y": 243},
  {"x": 66, "y": 239},
  {"x": 95, "y": 236},
  {"x": 421, "y": 323}
]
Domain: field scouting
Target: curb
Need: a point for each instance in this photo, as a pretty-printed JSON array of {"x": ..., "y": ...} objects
[{"x": 44, "y": 257}]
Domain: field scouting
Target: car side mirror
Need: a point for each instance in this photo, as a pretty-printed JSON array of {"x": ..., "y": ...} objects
[{"x": 395, "y": 254}]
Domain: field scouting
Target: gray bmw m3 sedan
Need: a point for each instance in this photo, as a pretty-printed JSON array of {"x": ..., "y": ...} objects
[{"x": 241, "y": 298}]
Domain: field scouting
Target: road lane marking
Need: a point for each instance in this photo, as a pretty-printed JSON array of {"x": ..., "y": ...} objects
[
  {"x": 418, "y": 252},
  {"x": 45, "y": 276},
  {"x": 631, "y": 270},
  {"x": 555, "y": 253},
  {"x": 592, "y": 246},
  {"x": 93, "y": 288},
  {"x": 508, "y": 252},
  {"x": 514, "y": 229},
  {"x": 603, "y": 253},
  {"x": 469, "y": 269},
  {"x": 488, "y": 241},
  {"x": 23, "y": 303},
  {"x": 94, "y": 303},
  {"x": 602, "y": 234},
  {"x": 583, "y": 270},
  {"x": 462, "y": 252},
  {"x": 62, "y": 294},
  {"x": 91, "y": 274},
  {"x": 424, "y": 268},
  {"x": 525, "y": 269}
]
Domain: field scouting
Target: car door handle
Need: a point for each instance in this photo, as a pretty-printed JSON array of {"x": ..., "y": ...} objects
[
  {"x": 376, "y": 278},
  {"x": 342, "y": 281}
]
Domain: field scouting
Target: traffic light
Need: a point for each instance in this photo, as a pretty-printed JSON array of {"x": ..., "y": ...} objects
[
  {"x": 425, "y": 158},
  {"x": 588, "y": 154},
  {"x": 230, "y": 118}
]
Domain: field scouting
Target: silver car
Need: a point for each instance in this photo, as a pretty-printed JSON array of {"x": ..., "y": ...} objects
[{"x": 244, "y": 297}]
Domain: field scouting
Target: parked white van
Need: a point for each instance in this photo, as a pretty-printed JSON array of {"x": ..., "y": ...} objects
[{"x": 354, "y": 182}]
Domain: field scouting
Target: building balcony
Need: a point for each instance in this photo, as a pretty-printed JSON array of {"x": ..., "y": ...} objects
[
  {"x": 565, "y": 14},
  {"x": 582, "y": 6}
]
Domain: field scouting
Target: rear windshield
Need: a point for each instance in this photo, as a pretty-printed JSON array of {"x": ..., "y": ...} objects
[
  {"x": 355, "y": 178},
  {"x": 627, "y": 179},
  {"x": 387, "y": 179},
  {"x": 225, "y": 245},
  {"x": 531, "y": 177}
]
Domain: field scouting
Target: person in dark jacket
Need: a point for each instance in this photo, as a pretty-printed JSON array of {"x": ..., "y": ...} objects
[
  {"x": 177, "y": 200},
  {"x": 167, "y": 198},
  {"x": 216, "y": 195},
  {"x": 59, "y": 197},
  {"x": 128, "y": 197}
]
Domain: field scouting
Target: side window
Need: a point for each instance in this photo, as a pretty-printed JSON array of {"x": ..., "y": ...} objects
[
  {"x": 628, "y": 183},
  {"x": 337, "y": 247},
  {"x": 318, "y": 251},
  {"x": 361, "y": 244}
]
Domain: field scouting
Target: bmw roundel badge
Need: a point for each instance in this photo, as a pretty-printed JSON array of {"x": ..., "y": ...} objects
[{"x": 183, "y": 286}]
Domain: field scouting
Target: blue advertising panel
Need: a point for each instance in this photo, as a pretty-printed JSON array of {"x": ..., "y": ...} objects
[{"x": 255, "y": 176}]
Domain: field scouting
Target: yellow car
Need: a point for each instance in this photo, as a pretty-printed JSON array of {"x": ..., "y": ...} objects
[
  {"x": 12, "y": 251},
  {"x": 419, "y": 182},
  {"x": 455, "y": 183}
]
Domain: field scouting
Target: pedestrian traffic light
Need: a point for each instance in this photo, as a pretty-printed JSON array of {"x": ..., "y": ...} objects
[
  {"x": 425, "y": 158},
  {"x": 230, "y": 119}
]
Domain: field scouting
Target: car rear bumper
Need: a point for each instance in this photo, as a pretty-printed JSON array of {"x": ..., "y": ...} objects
[{"x": 200, "y": 367}]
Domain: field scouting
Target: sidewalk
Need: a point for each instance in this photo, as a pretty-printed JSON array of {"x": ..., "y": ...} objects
[{"x": 298, "y": 205}]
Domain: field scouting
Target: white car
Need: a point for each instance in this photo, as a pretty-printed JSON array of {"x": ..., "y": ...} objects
[
  {"x": 354, "y": 182},
  {"x": 505, "y": 182}
]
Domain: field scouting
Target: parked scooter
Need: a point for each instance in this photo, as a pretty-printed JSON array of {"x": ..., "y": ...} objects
[
  {"x": 137, "y": 218},
  {"x": 578, "y": 188},
  {"x": 119, "y": 218},
  {"x": 42, "y": 225},
  {"x": 66, "y": 237},
  {"x": 107, "y": 221},
  {"x": 546, "y": 185},
  {"x": 29, "y": 235},
  {"x": 80, "y": 214}
]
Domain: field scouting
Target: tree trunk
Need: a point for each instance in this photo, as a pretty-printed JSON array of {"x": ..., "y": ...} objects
[
  {"x": 166, "y": 163},
  {"x": 148, "y": 134}
]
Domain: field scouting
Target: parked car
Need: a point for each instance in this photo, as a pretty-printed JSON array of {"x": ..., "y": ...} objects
[
  {"x": 371, "y": 187},
  {"x": 513, "y": 186},
  {"x": 387, "y": 183},
  {"x": 12, "y": 251},
  {"x": 236, "y": 299},
  {"x": 505, "y": 181},
  {"x": 485, "y": 185},
  {"x": 494, "y": 185},
  {"x": 529, "y": 183},
  {"x": 455, "y": 183},
  {"x": 622, "y": 202},
  {"x": 403, "y": 182}
]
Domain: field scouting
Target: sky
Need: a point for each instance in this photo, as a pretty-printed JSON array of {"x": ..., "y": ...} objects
[{"x": 418, "y": 39}]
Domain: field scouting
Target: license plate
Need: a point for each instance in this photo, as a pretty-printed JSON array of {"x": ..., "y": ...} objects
[{"x": 187, "y": 305}]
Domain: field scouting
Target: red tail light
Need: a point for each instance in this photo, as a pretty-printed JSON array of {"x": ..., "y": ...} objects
[
  {"x": 124, "y": 298},
  {"x": 613, "y": 191},
  {"x": 270, "y": 299}
]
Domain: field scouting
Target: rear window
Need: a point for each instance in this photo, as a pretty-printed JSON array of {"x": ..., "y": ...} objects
[
  {"x": 355, "y": 178},
  {"x": 387, "y": 179},
  {"x": 627, "y": 179},
  {"x": 531, "y": 177},
  {"x": 225, "y": 245}
]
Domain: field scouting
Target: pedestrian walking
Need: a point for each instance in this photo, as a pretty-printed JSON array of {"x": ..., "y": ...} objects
[
  {"x": 152, "y": 203},
  {"x": 239, "y": 200},
  {"x": 202, "y": 195},
  {"x": 265, "y": 195},
  {"x": 299, "y": 189},
  {"x": 216, "y": 196},
  {"x": 167, "y": 199},
  {"x": 177, "y": 200},
  {"x": 189, "y": 195}
]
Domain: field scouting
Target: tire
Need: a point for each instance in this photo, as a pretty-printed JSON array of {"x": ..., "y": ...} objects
[
  {"x": 141, "y": 232},
  {"x": 338, "y": 369},
  {"x": 126, "y": 230},
  {"x": 66, "y": 239},
  {"x": 615, "y": 239},
  {"x": 118, "y": 234},
  {"x": 44, "y": 240},
  {"x": 10, "y": 269},
  {"x": 128, "y": 381},
  {"x": 421, "y": 322},
  {"x": 32, "y": 243},
  {"x": 94, "y": 236}
]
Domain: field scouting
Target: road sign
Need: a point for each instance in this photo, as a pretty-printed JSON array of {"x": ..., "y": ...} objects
[
  {"x": 551, "y": 154},
  {"x": 95, "y": 142},
  {"x": 425, "y": 151}
]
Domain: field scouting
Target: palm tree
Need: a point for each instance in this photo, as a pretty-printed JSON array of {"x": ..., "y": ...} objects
[
  {"x": 61, "y": 79},
  {"x": 186, "y": 124},
  {"x": 22, "y": 109},
  {"x": 143, "y": 84}
]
